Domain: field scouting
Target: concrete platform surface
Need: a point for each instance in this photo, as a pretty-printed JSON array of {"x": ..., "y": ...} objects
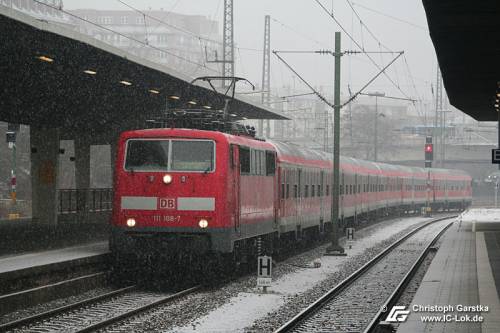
[
  {"x": 36, "y": 262},
  {"x": 458, "y": 292}
]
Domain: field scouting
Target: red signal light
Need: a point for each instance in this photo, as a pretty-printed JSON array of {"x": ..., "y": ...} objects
[{"x": 428, "y": 148}]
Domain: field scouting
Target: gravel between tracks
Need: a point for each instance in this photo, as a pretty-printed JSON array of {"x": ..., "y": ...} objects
[
  {"x": 23, "y": 313},
  {"x": 354, "y": 307},
  {"x": 240, "y": 307}
]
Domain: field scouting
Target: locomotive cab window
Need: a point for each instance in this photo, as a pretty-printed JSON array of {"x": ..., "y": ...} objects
[
  {"x": 147, "y": 155},
  {"x": 170, "y": 155},
  {"x": 192, "y": 155}
]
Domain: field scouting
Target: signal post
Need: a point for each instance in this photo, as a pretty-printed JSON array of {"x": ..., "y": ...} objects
[{"x": 429, "y": 157}]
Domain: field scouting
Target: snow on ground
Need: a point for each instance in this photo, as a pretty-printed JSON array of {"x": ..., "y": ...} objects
[
  {"x": 247, "y": 307},
  {"x": 481, "y": 215}
]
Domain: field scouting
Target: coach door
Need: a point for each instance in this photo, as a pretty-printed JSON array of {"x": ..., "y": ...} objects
[
  {"x": 401, "y": 184},
  {"x": 321, "y": 195}
]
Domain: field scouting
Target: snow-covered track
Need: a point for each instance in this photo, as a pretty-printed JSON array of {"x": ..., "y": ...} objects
[
  {"x": 98, "y": 312},
  {"x": 357, "y": 303},
  {"x": 27, "y": 321}
]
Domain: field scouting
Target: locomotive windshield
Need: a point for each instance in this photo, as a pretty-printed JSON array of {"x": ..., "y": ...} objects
[
  {"x": 192, "y": 155},
  {"x": 170, "y": 155}
]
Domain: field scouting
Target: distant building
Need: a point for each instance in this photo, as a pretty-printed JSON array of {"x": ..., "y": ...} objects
[
  {"x": 43, "y": 9},
  {"x": 177, "y": 41}
]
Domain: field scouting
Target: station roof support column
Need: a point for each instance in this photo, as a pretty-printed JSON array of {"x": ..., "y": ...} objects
[{"x": 44, "y": 169}]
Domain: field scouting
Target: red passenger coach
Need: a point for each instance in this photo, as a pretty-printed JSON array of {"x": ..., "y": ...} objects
[{"x": 180, "y": 192}]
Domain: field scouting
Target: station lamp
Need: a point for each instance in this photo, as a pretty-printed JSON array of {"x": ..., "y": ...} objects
[{"x": 45, "y": 58}]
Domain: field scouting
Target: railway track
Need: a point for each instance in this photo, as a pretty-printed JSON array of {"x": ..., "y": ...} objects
[
  {"x": 95, "y": 313},
  {"x": 45, "y": 293},
  {"x": 358, "y": 303}
]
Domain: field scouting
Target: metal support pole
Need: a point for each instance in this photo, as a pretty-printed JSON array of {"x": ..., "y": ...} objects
[
  {"x": 376, "y": 131},
  {"x": 496, "y": 193},
  {"x": 13, "y": 179},
  {"x": 335, "y": 248}
]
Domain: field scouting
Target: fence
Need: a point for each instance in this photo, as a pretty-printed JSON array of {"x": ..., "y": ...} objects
[{"x": 85, "y": 200}]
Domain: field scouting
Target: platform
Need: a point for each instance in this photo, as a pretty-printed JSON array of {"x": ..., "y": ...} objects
[
  {"x": 25, "y": 235},
  {"x": 464, "y": 272},
  {"x": 18, "y": 266}
]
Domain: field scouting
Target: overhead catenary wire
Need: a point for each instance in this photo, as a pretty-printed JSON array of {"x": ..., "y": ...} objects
[
  {"x": 363, "y": 24},
  {"x": 353, "y": 97},
  {"x": 391, "y": 17},
  {"x": 320, "y": 96},
  {"x": 124, "y": 36},
  {"x": 360, "y": 47},
  {"x": 298, "y": 32},
  {"x": 187, "y": 32},
  {"x": 381, "y": 45}
]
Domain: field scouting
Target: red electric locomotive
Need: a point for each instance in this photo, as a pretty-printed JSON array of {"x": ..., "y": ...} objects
[{"x": 184, "y": 192}]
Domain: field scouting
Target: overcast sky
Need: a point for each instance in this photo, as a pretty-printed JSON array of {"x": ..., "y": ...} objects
[{"x": 303, "y": 25}]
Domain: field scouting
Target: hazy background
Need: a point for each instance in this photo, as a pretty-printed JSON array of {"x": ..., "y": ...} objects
[{"x": 303, "y": 25}]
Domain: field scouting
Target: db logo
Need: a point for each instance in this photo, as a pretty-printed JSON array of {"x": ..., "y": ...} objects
[
  {"x": 398, "y": 314},
  {"x": 166, "y": 203}
]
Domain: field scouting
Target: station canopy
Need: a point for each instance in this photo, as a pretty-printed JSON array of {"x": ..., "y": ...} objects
[
  {"x": 466, "y": 36},
  {"x": 53, "y": 76}
]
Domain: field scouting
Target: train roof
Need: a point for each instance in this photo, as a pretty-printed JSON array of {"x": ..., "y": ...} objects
[
  {"x": 290, "y": 153},
  {"x": 293, "y": 154}
]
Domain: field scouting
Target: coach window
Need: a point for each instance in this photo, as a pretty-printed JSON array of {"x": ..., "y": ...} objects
[
  {"x": 287, "y": 190},
  {"x": 282, "y": 191},
  {"x": 258, "y": 163},
  {"x": 306, "y": 191},
  {"x": 244, "y": 161},
  {"x": 254, "y": 169},
  {"x": 270, "y": 163}
]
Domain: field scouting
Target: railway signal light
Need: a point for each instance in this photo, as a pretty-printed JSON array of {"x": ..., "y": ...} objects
[{"x": 429, "y": 152}]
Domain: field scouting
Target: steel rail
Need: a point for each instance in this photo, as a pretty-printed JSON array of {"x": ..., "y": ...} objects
[
  {"x": 395, "y": 296},
  {"x": 138, "y": 310},
  {"x": 329, "y": 295},
  {"x": 50, "y": 313}
]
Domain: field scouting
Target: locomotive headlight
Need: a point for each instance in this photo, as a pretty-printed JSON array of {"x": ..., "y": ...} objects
[
  {"x": 167, "y": 179},
  {"x": 203, "y": 223},
  {"x": 131, "y": 222}
]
